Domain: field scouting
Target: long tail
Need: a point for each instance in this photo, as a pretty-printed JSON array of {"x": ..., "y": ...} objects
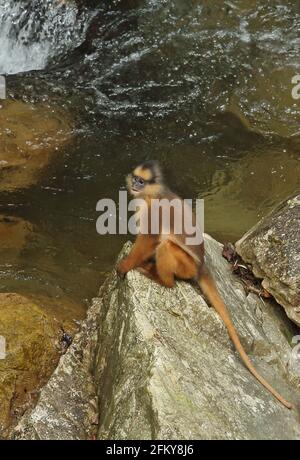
[{"x": 210, "y": 291}]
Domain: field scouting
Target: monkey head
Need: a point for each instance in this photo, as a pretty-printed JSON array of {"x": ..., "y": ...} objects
[{"x": 146, "y": 179}]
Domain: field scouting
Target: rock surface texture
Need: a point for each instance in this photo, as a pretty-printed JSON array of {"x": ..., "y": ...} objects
[
  {"x": 272, "y": 247},
  {"x": 67, "y": 407},
  {"x": 164, "y": 367},
  {"x": 29, "y": 354}
]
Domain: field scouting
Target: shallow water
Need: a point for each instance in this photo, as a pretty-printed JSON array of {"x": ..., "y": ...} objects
[{"x": 203, "y": 86}]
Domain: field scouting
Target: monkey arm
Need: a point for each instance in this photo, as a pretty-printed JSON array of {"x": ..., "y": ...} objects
[{"x": 143, "y": 249}]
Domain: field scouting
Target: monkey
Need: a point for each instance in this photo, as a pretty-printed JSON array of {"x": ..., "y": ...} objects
[{"x": 166, "y": 256}]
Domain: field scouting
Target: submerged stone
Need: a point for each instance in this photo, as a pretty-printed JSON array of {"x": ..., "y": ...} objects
[
  {"x": 29, "y": 136},
  {"x": 14, "y": 232}
]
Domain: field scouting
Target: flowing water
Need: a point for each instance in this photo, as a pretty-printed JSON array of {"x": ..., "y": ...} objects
[
  {"x": 34, "y": 32},
  {"x": 203, "y": 86}
]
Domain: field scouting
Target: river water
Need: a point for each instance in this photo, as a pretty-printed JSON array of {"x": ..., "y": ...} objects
[{"x": 205, "y": 87}]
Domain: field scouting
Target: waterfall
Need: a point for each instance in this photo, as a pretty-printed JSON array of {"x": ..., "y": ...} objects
[{"x": 32, "y": 32}]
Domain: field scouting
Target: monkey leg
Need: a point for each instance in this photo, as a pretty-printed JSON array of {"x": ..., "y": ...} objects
[
  {"x": 149, "y": 270},
  {"x": 166, "y": 263},
  {"x": 186, "y": 268},
  {"x": 143, "y": 249},
  {"x": 173, "y": 261}
]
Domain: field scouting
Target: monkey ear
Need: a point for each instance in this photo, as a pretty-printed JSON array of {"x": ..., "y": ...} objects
[{"x": 154, "y": 167}]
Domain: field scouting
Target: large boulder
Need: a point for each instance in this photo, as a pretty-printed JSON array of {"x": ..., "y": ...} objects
[
  {"x": 272, "y": 249},
  {"x": 164, "y": 368}
]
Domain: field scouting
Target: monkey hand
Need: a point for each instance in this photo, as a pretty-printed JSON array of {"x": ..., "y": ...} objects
[{"x": 122, "y": 269}]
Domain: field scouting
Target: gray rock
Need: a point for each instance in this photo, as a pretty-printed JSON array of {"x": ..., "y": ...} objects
[
  {"x": 272, "y": 248},
  {"x": 164, "y": 367}
]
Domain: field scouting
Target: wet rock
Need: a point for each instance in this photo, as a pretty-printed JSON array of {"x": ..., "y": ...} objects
[
  {"x": 67, "y": 406},
  {"x": 29, "y": 357},
  {"x": 29, "y": 136},
  {"x": 272, "y": 248},
  {"x": 164, "y": 367}
]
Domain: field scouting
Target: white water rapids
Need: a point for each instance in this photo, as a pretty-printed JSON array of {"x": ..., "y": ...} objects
[{"x": 33, "y": 32}]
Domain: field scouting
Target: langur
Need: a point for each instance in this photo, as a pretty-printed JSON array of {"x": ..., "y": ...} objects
[{"x": 165, "y": 255}]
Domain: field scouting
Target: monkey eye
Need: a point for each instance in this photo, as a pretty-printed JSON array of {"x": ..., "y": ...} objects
[{"x": 138, "y": 180}]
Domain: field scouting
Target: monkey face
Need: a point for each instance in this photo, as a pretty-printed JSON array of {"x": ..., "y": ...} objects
[
  {"x": 145, "y": 179},
  {"x": 137, "y": 185}
]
